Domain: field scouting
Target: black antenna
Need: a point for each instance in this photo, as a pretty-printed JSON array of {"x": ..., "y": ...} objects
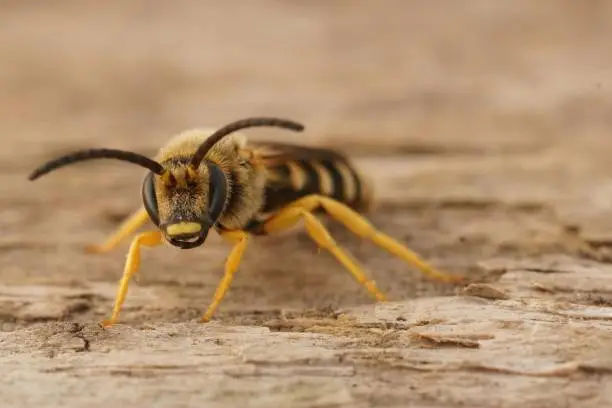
[
  {"x": 198, "y": 156},
  {"x": 91, "y": 154}
]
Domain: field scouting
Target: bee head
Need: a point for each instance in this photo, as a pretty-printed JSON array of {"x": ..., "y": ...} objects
[{"x": 185, "y": 202}]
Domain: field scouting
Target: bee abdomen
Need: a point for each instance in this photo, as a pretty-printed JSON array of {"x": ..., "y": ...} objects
[{"x": 337, "y": 179}]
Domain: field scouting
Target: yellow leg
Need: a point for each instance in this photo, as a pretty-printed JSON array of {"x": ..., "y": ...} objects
[
  {"x": 149, "y": 239},
  {"x": 127, "y": 227},
  {"x": 240, "y": 240},
  {"x": 292, "y": 214},
  {"x": 361, "y": 227}
]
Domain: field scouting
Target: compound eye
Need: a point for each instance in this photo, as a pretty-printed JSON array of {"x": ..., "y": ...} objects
[
  {"x": 149, "y": 199},
  {"x": 217, "y": 191}
]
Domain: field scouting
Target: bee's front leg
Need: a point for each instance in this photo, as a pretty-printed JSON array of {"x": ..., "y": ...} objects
[{"x": 132, "y": 264}]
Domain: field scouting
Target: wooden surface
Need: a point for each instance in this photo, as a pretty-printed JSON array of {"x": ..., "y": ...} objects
[{"x": 485, "y": 126}]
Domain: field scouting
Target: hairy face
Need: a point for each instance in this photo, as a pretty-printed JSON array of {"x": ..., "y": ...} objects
[{"x": 183, "y": 206}]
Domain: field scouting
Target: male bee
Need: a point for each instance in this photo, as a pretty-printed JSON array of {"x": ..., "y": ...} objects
[{"x": 201, "y": 181}]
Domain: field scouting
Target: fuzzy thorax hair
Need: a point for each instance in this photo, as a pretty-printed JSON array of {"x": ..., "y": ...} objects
[{"x": 182, "y": 192}]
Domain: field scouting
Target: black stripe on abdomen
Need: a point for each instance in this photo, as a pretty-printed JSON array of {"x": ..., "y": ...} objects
[{"x": 337, "y": 180}]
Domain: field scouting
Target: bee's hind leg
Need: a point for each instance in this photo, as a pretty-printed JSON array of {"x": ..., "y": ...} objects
[
  {"x": 361, "y": 227},
  {"x": 290, "y": 215}
]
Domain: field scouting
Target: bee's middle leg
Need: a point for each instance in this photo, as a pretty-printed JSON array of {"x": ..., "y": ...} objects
[{"x": 127, "y": 228}]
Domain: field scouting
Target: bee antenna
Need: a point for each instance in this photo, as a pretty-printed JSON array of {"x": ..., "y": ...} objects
[
  {"x": 90, "y": 154},
  {"x": 237, "y": 125}
]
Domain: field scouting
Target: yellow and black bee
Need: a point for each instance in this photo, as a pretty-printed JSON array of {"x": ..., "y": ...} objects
[{"x": 203, "y": 180}]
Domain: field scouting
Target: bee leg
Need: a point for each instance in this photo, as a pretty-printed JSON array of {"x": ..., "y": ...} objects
[
  {"x": 288, "y": 217},
  {"x": 240, "y": 240},
  {"x": 149, "y": 239},
  {"x": 127, "y": 227},
  {"x": 358, "y": 225}
]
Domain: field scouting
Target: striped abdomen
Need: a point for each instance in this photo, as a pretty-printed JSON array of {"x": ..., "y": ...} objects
[
  {"x": 329, "y": 176},
  {"x": 295, "y": 171}
]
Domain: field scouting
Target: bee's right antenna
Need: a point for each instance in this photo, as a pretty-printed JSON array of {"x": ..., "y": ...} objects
[
  {"x": 90, "y": 154},
  {"x": 199, "y": 155}
]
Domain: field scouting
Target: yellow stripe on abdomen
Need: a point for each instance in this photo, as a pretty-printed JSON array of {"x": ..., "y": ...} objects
[{"x": 326, "y": 183}]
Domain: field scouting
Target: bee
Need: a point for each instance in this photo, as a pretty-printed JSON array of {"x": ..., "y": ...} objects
[{"x": 204, "y": 180}]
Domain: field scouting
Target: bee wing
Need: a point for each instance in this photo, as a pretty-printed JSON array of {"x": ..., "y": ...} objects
[{"x": 273, "y": 154}]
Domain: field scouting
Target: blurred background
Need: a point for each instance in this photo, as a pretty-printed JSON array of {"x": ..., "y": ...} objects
[
  {"x": 412, "y": 75},
  {"x": 485, "y": 126}
]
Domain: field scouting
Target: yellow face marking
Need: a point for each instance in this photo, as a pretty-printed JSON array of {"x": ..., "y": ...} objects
[
  {"x": 297, "y": 176},
  {"x": 348, "y": 181},
  {"x": 326, "y": 184},
  {"x": 183, "y": 228}
]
